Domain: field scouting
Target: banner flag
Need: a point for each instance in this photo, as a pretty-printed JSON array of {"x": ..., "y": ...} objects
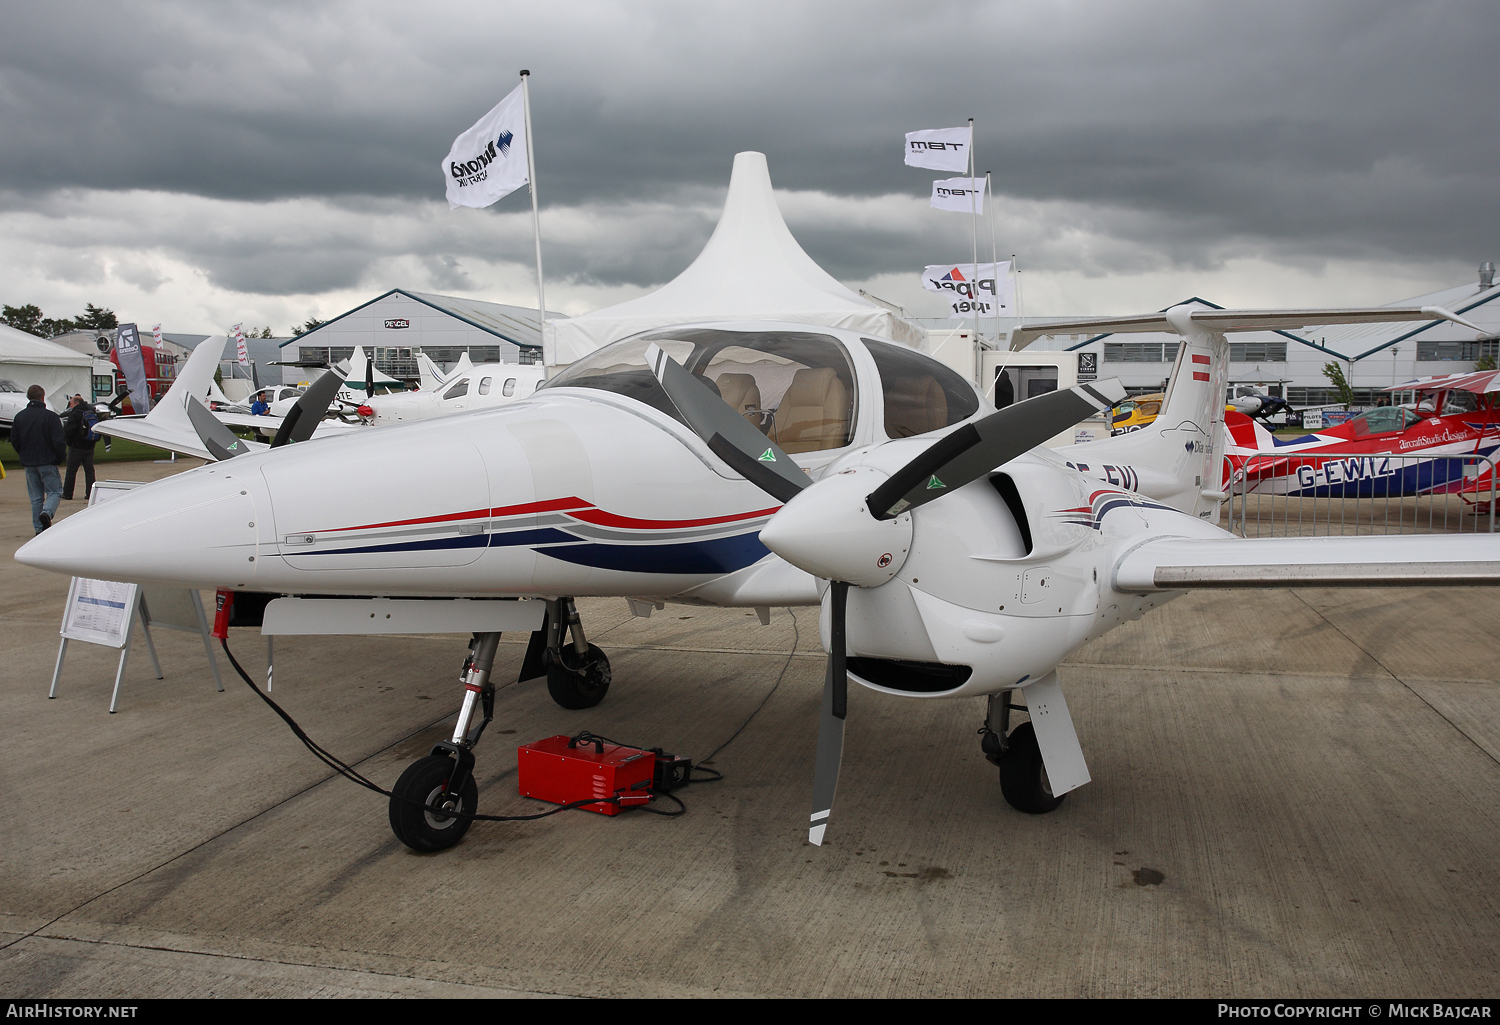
[
  {"x": 241, "y": 353},
  {"x": 961, "y": 195},
  {"x": 941, "y": 149},
  {"x": 133, "y": 365},
  {"x": 488, "y": 162},
  {"x": 156, "y": 334},
  {"x": 988, "y": 289}
]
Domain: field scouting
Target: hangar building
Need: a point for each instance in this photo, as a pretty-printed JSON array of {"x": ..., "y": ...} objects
[{"x": 398, "y": 324}]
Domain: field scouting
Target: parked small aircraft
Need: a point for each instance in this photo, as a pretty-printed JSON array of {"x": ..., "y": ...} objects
[
  {"x": 1455, "y": 416},
  {"x": 754, "y": 465},
  {"x": 482, "y": 386}
]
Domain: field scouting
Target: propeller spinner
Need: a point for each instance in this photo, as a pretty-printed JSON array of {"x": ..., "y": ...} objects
[{"x": 854, "y": 527}]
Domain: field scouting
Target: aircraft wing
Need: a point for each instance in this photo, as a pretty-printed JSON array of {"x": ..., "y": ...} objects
[
  {"x": 265, "y": 423},
  {"x": 171, "y": 436},
  {"x": 1426, "y": 560},
  {"x": 1235, "y": 320}
]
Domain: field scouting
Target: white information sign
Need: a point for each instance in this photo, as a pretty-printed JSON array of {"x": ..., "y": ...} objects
[{"x": 99, "y": 611}]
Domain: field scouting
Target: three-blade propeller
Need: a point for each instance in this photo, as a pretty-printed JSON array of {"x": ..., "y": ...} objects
[
  {"x": 298, "y": 425},
  {"x": 795, "y": 533}
]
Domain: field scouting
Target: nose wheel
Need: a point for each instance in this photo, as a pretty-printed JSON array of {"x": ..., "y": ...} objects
[
  {"x": 443, "y": 782},
  {"x": 426, "y": 781}
]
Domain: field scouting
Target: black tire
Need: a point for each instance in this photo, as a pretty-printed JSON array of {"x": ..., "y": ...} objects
[
  {"x": 422, "y": 782},
  {"x": 578, "y": 683},
  {"x": 1023, "y": 777}
]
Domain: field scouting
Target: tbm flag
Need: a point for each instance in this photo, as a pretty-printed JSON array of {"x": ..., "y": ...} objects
[
  {"x": 961, "y": 195},
  {"x": 488, "y": 162},
  {"x": 987, "y": 289},
  {"x": 941, "y": 149},
  {"x": 240, "y": 353}
]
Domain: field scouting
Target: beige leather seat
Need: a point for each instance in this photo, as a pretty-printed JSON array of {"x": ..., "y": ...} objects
[
  {"x": 814, "y": 412},
  {"x": 914, "y": 406},
  {"x": 740, "y": 391}
]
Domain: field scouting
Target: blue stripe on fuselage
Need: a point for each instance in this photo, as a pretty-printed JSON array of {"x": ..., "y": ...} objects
[
  {"x": 545, "y": 535},
  {"x": 717, "y": 555}
]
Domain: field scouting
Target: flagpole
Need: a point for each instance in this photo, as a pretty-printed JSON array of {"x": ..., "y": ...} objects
[
  {"x": 536, "y": 220},
  {"x": 974, "y": 225},
  {"x": 994, "y": 254}
]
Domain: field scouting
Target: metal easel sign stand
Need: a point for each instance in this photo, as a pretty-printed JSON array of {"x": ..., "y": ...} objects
[{"x": 104, "y": 612}]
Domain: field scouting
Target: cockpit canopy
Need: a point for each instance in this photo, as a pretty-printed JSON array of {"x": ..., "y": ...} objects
[{"x": 797, "y": 387}]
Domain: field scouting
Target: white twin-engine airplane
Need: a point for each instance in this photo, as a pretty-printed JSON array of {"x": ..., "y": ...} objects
[{"x": 751, "y": 465}]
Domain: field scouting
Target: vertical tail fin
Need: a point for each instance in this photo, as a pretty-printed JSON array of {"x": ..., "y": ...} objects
[{"x": 1176, "y": 459}]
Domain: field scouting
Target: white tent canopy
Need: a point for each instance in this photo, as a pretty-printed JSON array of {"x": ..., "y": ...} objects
[
  {"x": 27, "y": 360},
  {"x": 751, "y": 269}
]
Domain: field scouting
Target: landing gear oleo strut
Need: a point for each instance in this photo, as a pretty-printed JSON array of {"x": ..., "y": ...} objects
[{"x": 578, "y": 676}]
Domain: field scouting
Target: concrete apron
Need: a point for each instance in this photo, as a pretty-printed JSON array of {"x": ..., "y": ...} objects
[{"x": 1296, "y": 794}]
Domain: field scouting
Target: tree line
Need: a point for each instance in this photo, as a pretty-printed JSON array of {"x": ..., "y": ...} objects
[{"x": 30, "y": 319}]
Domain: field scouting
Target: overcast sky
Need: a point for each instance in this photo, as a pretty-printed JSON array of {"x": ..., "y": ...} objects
[{"x": 204, "y": 163}]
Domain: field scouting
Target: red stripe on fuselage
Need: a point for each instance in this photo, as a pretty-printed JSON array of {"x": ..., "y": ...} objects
[
  {"x": 1200, "y": 359},
  {"x": 575, "y": 507},
  {"x": 608, "y": 519}
]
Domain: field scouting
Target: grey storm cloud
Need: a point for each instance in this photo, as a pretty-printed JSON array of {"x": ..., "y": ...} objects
[{"x": 1300, "y": 131}]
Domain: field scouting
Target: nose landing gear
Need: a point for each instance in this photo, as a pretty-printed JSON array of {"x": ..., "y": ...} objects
[{"x": 444, "y": 780}]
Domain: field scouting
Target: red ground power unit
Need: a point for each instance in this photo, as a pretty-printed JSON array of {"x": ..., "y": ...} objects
[{"x": 561, "y": 770}]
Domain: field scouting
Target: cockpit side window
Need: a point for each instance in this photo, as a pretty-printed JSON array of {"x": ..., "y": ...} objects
[
  {"x": 458, "y": 390},
  {"x": 921, "y": 394},
  {"x": 797, "y": 387}
]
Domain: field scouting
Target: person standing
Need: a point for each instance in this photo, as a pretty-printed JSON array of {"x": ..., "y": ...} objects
[
  {"x": 78, "y": 429},
  {"x": 260, "y": 407},
  {"x": 36, "y": 434}
]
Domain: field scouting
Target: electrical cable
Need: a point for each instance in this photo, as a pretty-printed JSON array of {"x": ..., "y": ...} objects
[{"x": 355, "y": 776}]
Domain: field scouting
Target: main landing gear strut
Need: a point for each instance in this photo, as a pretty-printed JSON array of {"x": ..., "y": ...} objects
[
  {"x": 578, "y": 677},
  {"x": 1023, "y": 777}
]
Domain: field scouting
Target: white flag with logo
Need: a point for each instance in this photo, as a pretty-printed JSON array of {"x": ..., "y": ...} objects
[
  {"x": 941, "y": 149},
  {"x": 241, "y": 353},
  {"x": 961, "y": 195},
  {"x": 156, "y": 334},
  {"x": 987, "y": 289},
  {"x": 488, "y": 162}
]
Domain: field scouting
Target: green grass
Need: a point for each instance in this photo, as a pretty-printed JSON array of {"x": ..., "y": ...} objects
[{"x": 121, "y": 451}]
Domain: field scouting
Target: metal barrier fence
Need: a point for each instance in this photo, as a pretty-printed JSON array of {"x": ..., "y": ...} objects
[{"x": 1336, "y": 492}]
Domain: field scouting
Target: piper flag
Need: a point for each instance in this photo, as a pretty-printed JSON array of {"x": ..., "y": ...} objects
[
  {"x": 488, "y": 162},
  {"x": 156, "y": 334},
  {"x": 241, "y": 353},
  {"x": 987, "y": 289},
  {"x": 941, "y": 149},
  {"x": 961, "y": 195}
]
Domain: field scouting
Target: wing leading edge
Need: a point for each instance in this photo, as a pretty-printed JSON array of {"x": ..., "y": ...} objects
[{"x": 1428, "y": 560}]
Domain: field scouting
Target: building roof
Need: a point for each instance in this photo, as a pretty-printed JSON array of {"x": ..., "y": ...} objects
[{"x": 516, "y": 324}]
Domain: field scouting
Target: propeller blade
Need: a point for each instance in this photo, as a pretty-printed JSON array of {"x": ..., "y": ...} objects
[
  {"x": 369, "y": 377},
  {"x": 975, "y": 449},
  {"x": 218, "y": 439},
  {"x": 303, "y": 418},
  {"x": 731, "y": 437},
  {"x": 830, "y": 754}
]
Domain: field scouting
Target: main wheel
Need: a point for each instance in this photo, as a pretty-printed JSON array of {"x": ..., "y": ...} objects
[
  {"x": 1023, "y": 777},
  {"x": 576, "y": 682},
  {"x": 423, "y": 782}
]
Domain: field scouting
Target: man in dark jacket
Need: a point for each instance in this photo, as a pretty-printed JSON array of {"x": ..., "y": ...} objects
[
  {"x": 78, "y": 428},
  {"x": 36, "y": 434}
]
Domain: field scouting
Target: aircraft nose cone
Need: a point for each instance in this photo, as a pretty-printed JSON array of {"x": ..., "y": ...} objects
[{"x": 197, "y": 529}]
